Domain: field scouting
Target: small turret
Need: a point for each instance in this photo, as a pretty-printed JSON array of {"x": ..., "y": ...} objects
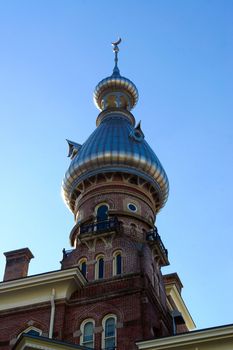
[{"x": 115, "y": 91}]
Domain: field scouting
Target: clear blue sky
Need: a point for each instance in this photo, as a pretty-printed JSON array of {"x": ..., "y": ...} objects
[{"x": 179, "y": 54}]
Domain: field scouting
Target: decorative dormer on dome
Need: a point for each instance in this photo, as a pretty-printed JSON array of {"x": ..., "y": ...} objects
[{"x": 115, "y": 148}]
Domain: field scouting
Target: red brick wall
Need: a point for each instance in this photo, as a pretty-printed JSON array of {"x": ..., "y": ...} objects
[
  {"x": 14, "y": 321},
  {"x": 117, "y": 196},
  {"x": 136, "y": 297},
  {"x": 131, "y": 299}
]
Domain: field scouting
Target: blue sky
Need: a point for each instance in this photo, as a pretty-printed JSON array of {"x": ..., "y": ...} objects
[{"x": 179, "y": 54}]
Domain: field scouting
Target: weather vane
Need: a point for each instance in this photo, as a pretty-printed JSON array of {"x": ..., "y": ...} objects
[{"x": 116, "y": 50}]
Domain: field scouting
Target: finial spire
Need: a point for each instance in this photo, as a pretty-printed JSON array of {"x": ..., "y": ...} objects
[{"x": 116, "y": 50}]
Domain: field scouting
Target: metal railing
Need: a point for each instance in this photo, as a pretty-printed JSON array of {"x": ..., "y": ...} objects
[
  {"x": 111, "y": 224},
  {"x": 153, "y": 235}
]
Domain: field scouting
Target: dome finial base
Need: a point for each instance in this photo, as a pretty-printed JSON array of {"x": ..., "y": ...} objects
[{"x": 116, "y": 71}]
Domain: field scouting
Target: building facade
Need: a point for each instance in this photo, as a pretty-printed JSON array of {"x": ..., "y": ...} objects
[{"x": 110, "y": 292}]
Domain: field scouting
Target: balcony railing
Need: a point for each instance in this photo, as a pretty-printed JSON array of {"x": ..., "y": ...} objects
[
  {"x": 153, "y": 236},
  {"x": 111, "y": 224}
]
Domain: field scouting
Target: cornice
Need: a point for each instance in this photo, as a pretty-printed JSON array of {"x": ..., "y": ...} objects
[
  {"x": 26, "y": 342},
  {"x": 178, "y": 300},
  {"x": 205, "y": 336},
  {"x": 37, "y": 288}
]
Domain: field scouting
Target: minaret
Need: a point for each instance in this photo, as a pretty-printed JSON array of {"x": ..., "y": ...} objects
[{"x": 115, "y": 186}]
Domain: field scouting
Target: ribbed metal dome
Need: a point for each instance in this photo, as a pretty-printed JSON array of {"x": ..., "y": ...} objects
[
  {"x": 116, "y": 146},
  {"x": 115, "y": 91},
  {"x": 115, "y": 84}
]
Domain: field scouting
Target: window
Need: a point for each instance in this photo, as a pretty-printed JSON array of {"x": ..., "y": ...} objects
[
  {"x": 83, "y": 266},
  {"x": 117, "y": 263},
  {"x": 109, "y": 332},
  {"x": 102, "y": 213},
  {"x": 87, "y": 333},
  {"x": 99, "y": 267},
  {"x": 132, "y": 207},
  {"x": 31, "y": 331},
  {"x": 102, "y": 217}
]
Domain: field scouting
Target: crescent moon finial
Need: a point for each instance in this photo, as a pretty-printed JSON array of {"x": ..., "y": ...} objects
[
  {"x": 115, "y": 43},
  {"x": 116, "y": 50}
]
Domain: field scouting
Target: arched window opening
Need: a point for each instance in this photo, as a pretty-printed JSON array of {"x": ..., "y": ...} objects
[
  {"x": 87, "y": 334},
  {"x": 83, "y": 266},
  {"x": 109, "y": 339},
  {"x": 99, "y": 271},
  {"x": 31, "y": 331},
  {"x": 102, "y": 213},
  {"x": 102, "y": 217},
  {"x": 101, "y": 268},
  {"x": 117, "y": 263}
]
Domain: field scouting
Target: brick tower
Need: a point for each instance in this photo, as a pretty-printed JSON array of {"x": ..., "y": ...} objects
[
  {"x": 110, "y": 292},
  {"x": 115, "y": 186}
]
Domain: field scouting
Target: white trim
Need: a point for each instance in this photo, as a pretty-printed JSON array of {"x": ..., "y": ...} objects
[
  {"x": 35, "y": 289},
  {"x": 27, "y": 342},
  {"x": 82, "y": 331},
  {"x": 106, "y": 317},
  {"x": 194, "y": 338},
  {"x": 172, "y": 290},
  {"x": 100, "y": 205},
  {"x": 98, "y": 257},
  {"x": 80, "y": 262},
  {"x": 52, "y": 315},
  {"x": 28, "y": 329},
  {"x": 43, "y": 278},
  {"x": 114, "y": 263},
  {"x": 132, "y": 211}
]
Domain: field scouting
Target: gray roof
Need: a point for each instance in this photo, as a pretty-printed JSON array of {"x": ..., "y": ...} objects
[{"x": 116, "y": 146}]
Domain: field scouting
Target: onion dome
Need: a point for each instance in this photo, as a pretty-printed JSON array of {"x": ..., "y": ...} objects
[
  {"x": 115, "y": 91},
  {"x": 116, "y": 145}
]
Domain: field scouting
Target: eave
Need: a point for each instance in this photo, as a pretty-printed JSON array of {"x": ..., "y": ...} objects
[
  {"x": 29, "y": 342},
  {"x": 180, "y": 304},
  {"x": 38, "y": 288},
  {"x": 215, "y": 337}
]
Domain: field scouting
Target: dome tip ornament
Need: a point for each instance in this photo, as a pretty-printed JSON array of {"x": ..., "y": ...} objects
[
  {"x": 115, "y": 91},
  {"x": 116, "y": 49}
]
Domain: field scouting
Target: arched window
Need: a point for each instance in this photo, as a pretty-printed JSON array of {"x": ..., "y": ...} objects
[
  {"x": 87, "y": 333},
  {"x": 83, "y": 266},
  {"x": 102, "y": 213},
  {"x": 117, "y": 263},
  {"x": 99, "y": 267},
  {"x": 109, "y": 332},
  {"x": 31, "y": 331}
]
